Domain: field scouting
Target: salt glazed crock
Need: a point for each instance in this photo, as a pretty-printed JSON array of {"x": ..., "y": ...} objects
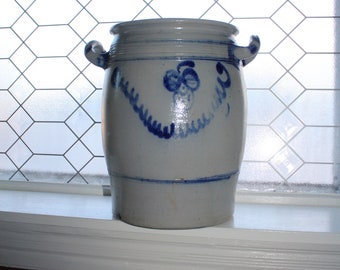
[{"x": 173, "y": 120}]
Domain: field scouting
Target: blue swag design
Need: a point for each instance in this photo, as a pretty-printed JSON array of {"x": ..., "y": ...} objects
[
  {"x": 173, "y": 80},
  {"x": 152, "y": 125}
]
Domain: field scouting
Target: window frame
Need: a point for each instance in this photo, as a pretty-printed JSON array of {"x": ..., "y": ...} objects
[{"x": 52, "y": 234}]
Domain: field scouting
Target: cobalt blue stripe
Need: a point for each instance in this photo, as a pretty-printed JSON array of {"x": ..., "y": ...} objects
[
  {"x": 228, "y": 60},
  {"x": 199, "y": 41},
  {"x": 214, "y": 178}
]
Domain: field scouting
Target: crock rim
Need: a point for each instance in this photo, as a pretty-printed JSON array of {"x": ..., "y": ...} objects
[{"x": 176, "y": 23}]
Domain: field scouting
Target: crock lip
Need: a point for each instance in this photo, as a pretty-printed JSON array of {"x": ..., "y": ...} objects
[{"x": 122, "y": 27}]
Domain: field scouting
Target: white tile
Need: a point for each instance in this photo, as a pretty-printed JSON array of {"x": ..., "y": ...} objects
[
  {"x": 53, "y": 41},
  {"x": 318, "y": 144},
  {"x": 317, "y": 7},
  {"x": 10, "y": 11},
  {"x": 288, "y": 53},
  {"x": 316, "y": 71},
  {"x": 318, "y": 108},
  {"x": 263, "y": 72},
  {"x": 9, "y": 42},
  {"x": 8, "y": 105},
  {"x": 115, "y": 11},
  {"x": 258, "y": 172},
  {"x": 54, "y": 12},
  {"x": 93, "y": 140},
  {"x": 287, "y": 89},
  {"x": 261, "y": 143},
  {"x": 49, "y": 138},
  {"x": 44, "y": 73},
  {"x": 20, "y": 121},
  {"x": 250, "y": 8},
  {"x": 257, "y": 112},
  {"x": 40, "y": 167},
  {"x": 19, "y": 153},
  {"x": 315, "y": 174},
  {"x": 287, "y": 125},
  {"x": 12, "y": 73},
  {"x": 317, "y": 35},
  {"x": 286, "y": 162},
  {"x": 285, "y": 12},
  {"x": 78, "y": 155},
  {"x": 50, "y": 105},
  {"x": 180, "y": 8}
]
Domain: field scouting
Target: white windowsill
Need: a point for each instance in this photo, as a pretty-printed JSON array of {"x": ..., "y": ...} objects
[{"x": 44, "y": 230}]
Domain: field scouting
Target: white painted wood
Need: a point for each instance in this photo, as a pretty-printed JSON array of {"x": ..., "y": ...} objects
[
  {"x": 52, "y": 187},
  {"x": 35, "y": 235}
]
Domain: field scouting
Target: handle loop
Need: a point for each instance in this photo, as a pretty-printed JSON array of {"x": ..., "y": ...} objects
[
  {"x": 95, "y": 53},
  {"x": 247, "y": 54}
]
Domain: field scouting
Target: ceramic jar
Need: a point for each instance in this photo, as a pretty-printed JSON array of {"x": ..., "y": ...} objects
[{"x": 173, "y": 120}]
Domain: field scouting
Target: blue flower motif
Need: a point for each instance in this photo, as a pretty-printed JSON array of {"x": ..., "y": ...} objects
[
  {"x": 182, "y": 82},
  {"x": 173, "y": 79}
]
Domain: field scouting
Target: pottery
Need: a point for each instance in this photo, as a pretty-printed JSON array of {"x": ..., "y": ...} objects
[{"x": 173, "y": 120}]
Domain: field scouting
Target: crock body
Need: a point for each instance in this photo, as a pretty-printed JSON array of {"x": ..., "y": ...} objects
[{"x": 173, "y": 121}]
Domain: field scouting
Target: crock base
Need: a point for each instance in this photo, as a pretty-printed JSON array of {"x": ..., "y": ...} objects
[{"x": 181, "y": 205}]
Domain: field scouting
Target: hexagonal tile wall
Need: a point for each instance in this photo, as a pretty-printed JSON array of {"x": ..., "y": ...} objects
[{"x": 50, "y": 95}]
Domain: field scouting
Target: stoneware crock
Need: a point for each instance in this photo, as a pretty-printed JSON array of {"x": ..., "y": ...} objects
[{"x": 173, "y": 120}]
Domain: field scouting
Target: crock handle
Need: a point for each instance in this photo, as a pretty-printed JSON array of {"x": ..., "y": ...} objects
[
  {"x": 95, "y": 53},
  {"x": 247, "y": 54}
]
